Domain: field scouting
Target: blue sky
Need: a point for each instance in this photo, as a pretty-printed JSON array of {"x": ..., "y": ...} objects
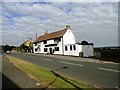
[{"x": 96, "y": 22}]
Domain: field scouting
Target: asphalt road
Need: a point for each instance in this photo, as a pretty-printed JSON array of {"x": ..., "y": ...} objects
[{"x": 98, "y": 74}]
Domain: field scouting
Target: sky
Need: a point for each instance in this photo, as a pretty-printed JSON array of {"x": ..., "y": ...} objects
[{"x": 95, "y": 22}]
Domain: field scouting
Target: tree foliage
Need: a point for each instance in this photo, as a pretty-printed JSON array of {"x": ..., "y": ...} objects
[{"x": 7, "y": 48}]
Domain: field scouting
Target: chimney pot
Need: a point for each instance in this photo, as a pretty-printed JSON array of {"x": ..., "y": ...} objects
[
  {"x": 46, "y": 32},
  {"x": 67, "y": 27}
]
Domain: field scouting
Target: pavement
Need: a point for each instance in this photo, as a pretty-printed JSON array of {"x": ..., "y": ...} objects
[
  {"x": 99, "y": 74},
  {"x": 12, "y": 77}
]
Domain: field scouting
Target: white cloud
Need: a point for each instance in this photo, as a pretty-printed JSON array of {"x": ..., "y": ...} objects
[
  {"x": 59, "y": 0},
  {"x": 92, "y": 21}
]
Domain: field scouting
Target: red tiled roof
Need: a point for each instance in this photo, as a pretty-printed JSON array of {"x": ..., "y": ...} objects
[{"x": 51, "y": 35}]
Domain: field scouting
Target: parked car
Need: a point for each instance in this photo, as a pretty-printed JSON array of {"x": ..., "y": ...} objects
[{"x": 8, "y": 52}]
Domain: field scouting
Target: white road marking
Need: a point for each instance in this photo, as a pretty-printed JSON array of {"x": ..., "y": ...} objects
[
  {"x": 66, "y": 62},
  {"x": 79, "y": 65},
  {"x": 71, "y": 63},
  {"x": 117, "y": 87},
  {"x": 48, "y": 59},
  {"x": 62, "y": 62},
  {"x": 109, "y": 70}
]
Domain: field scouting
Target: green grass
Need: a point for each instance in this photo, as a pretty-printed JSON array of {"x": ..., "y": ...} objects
[{"x": 45, "y": 77}]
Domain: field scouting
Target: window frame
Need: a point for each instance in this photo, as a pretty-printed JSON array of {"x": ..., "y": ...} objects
[
  {"x": 66, "y": 48},
  {"x": 74, "y": 47},
  {"x": 45, "y": 49},
  {"x": 70, "y": 47},
  {"x": 56, "y": 49},
  {"x": 36, "y": 49},
  {"x": 45, "y": 42}
]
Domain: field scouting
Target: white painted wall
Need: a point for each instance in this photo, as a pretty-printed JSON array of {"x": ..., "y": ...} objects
[
  {"x": 50, "y": 41},
  {"x": 88, "y": 50},
  {"x": 60, "y": 48},
  {"x": 42, "y": 46},
  {"x": 71, "y": 52},
  {"x": 79, "y": 48},
  {"x": 68, "y": 37},
  {"x": 34, "y": 49}
]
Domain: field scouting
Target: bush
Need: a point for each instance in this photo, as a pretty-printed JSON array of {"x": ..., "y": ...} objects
[{"x": 111, "y": 55}]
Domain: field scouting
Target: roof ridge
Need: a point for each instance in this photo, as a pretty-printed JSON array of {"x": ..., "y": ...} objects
[
  {"x": 58, "y": 31},
  {"x": 51, "y": 35}
]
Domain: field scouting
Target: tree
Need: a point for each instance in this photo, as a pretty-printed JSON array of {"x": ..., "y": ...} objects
[
  {"x": 31, "y": 46},
  {"x": 6, "y": 48},
  {"x": 84, "y": 43}
]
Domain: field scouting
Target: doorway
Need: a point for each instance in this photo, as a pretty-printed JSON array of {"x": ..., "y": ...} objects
[{"x": 51, "y": 51}]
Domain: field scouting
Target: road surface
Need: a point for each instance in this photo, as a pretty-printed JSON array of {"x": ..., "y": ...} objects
[{"x": 98, "y": 74}]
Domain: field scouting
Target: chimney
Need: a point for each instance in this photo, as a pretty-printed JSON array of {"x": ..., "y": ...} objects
[
  {"x": 46, "y": 32},
  {"x": 67, "y": 27}
]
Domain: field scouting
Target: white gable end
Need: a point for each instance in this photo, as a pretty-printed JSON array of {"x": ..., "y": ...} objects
[{"x": 68, "y": 37}]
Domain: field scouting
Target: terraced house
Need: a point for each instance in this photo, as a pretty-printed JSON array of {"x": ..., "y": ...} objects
[{"x": 62, "y": 42}]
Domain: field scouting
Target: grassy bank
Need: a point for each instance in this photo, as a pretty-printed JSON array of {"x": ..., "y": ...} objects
[{"x": 46, "y": 78}]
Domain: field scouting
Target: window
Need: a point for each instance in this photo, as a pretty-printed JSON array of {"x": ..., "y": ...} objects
[
  {"x": 39, "y": 48},
  {"x": 45, "y": 49},
  {"x": 45, "y": 42},
  {"x": 65, "y": 48},
  {"x": 35, "y": 44},
  {"x": 36, "y": 49},
  {"x": 70, "y": 47},
  {"x": 56, "y": 48},
  {"x": 74, "y": 47},
  {"x": 56, "y": 40}
]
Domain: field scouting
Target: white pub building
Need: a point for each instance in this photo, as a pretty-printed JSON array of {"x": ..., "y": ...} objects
[{"x": 62, "y": 42}]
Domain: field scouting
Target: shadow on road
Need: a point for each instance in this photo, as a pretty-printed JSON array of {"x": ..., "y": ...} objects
[
  {"x": 8, "y": 84},
  {"x": 59, "y": 76}
]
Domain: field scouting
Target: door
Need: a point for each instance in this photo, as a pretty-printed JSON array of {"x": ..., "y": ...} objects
[{"x": 51, "y": 51}]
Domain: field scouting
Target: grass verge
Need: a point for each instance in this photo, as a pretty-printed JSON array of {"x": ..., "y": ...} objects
[{"x": 46, "y": 78}]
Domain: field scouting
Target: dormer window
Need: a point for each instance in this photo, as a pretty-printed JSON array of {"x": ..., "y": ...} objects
[{"x": 56, "y": 40}]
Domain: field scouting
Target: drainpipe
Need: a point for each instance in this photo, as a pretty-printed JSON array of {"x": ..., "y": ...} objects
[{"x": 62, "y": 45}]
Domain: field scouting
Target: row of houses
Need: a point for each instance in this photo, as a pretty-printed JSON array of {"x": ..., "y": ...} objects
[{"x": 62, "y": 42}]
